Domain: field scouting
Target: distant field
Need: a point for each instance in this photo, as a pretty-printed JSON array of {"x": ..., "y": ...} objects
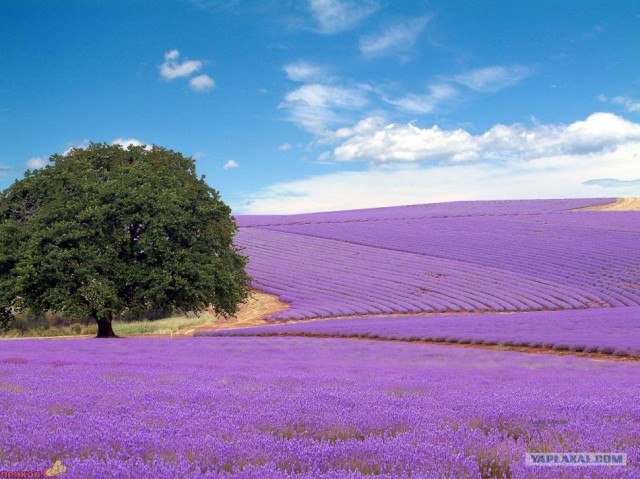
[
  {"x": 442, "y": 258},
  {"x": 566, "y": 271}
]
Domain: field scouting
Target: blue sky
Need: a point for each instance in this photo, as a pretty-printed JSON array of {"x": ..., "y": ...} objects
[{"x": 294, "y": 105}]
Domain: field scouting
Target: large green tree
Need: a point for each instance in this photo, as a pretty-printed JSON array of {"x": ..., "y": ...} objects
[{"x": 106, "y": 232}]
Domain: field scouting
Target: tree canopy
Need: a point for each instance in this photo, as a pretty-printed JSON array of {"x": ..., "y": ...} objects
[{"x": 104, "y": 232}]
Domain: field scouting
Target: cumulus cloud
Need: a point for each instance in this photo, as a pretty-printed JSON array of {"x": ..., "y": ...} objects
[
  {"x": 230, "y": 165},
  {"x": 202, "y": 83},
  {"x": 493, "y": 78},
  {"x": 123, "y": 142},
  {"x": 127, "y": 142},
  {"x": 588, "y": 158},
  {"x": 316, "y": 107},
  {"x": 374, "y": 141},
  {"x": 172, "y": 68},
  {"x": 396, "y": 39},
  {"x": 336, "y": 16},
  {"x": 36, "y": 163}
]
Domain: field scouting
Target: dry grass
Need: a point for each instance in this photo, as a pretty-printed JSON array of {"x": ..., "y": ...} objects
[
  {"x": 252, "y": 313},
  {"x": 620, "y": 204}
]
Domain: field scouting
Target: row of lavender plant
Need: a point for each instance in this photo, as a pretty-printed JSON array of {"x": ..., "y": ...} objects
[
  {"x": 613, "y": 331},
  {"x": 501, "y": 256},
  {"x": 307, "y": 408}
]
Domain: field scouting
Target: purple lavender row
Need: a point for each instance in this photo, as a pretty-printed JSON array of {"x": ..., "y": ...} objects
[
  {"x": 307, "y": 408},
  {"x": 609, "y": 331}
]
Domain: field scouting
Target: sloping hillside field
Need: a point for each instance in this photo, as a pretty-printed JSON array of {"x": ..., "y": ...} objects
[
  {"x": 558, "y": 276},
  {"x": 457, "y": 257},
  {"x": 551, "y": 274}
]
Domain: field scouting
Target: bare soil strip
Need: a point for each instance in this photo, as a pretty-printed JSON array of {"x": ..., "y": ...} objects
[
  {"x": 490, "y": 347},
  {"x": 252, "y": 313},
  {"x": 620, "y": 204}
]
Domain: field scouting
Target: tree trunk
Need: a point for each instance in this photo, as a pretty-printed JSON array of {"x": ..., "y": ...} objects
[{"x": 104, "y": 327}]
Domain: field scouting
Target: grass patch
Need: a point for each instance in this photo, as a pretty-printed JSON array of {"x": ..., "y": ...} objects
[
  {"x": 174, "y": 325},
  {"x": 177, "y": 325}
]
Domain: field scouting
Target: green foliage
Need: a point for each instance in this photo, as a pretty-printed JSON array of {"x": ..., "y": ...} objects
[{"x": 105, "y": 232}]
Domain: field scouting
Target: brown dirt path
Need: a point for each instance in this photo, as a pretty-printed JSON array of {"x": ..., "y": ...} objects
[{"x": 252, "y": 313}]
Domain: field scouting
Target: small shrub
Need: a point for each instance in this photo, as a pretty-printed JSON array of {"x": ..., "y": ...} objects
[
  {"x": 90, "y": 329},
  {"x": 20, "y": 324},
  {"x": 76, "y": 328}
]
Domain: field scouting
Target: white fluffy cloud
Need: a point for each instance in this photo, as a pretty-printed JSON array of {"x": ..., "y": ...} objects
[
  {"x": 596, "y": 157},
  {"x": 127, "y": 142},
  {"x": 230, "y": 165},
  {"x": 396, "y": 39},
  {"x": 36, "y": 163},
  {"x": 123, "y": 142},
  {"x": 172, "y": 68},
  {"x": 336, "y": 16},
  {"x": 373, "y": 141},
  {"x": 202, "y": 83}
]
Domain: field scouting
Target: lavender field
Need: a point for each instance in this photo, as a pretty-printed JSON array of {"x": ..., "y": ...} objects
[
  {"x": 307, "y": 408},
  {"x": 247, "y": 403},
  {"x": 452, "y": 257},
  {"x": 614, "y": 331}
]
